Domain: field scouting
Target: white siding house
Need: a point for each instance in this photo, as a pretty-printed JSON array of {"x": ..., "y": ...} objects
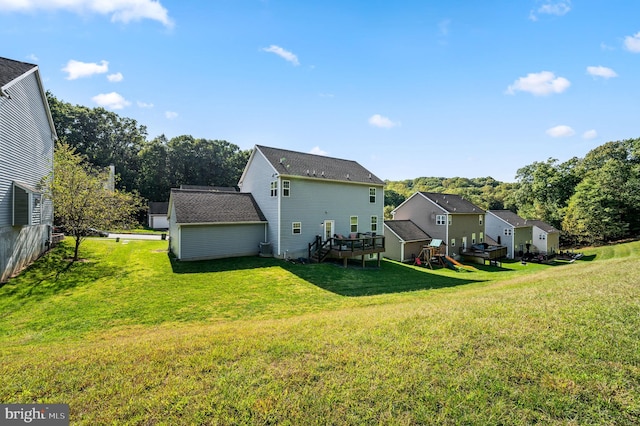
[
  {"x": 546, "y": 238},
  {"x": 510, "y": 230},
  {"x": 27, "y": 136}
]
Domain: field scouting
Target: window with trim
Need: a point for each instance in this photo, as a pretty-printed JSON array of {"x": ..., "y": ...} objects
[
  {"x": 296, "y": 227},
  {"x": 507, "y": 231},
  {"x": 453, "y": 242},
  {"x": 372, "y": 195},
  {"x": 353, "y": 222},
  {"x": 374, "y": 223},
  {"x": 27, "y": 205},
  {"x": 274, "y": 188},
  {"x": 441, "y": 219},
  {"x": 543, "y": 237},
  {"x": 480, "y": 219},
  {"x": 450, "y": 220},
  {"x": 482, "y": 237},
  {"x": 473, "y": 238},
  {"x": 286, "y": 188}
]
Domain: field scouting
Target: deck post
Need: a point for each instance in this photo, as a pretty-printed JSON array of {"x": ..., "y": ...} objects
[
  {"x": 378, "y": 259},
  {"x": 345, "y": 262}
]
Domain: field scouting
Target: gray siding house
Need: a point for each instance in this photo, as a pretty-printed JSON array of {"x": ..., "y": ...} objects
[
  {"x": 304, "y": 195},
  {"x": 509, "y": 230},
  {"x": 211, "y": 224},
  {"x": 27, "y": 136},
  {"x": 448, "y": 217},
  {"x": 404, "y": 240}
]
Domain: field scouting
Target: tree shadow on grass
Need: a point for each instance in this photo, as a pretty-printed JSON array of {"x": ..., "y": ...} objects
[{"x": 54, "y": 273}]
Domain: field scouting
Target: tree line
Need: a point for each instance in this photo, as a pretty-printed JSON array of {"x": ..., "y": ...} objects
[{"x": 594, "y": 199}]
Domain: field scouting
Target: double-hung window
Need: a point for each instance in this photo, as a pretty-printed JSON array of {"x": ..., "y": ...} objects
[
  {"x": 372, "y": 195},
  {"x": 441, "y": 219},
  {"x": 296, "y": 227},
  {"x": 286, "y": 188},
  {"x": 353, "y": 222},
  {"x": 374, "y": 223},
  {"x": 274, "y": 188}
]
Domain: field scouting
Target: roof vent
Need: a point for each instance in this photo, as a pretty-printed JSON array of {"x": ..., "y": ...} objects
[
  {"x": 314, "y": 172},
  {"x": 307, "y": 172},
  {"x": 369, "y": 175},
  {"x": 347, "y": 175},
  {"x": 282, "y": 160},
  {"x": 323, "y": 173}
]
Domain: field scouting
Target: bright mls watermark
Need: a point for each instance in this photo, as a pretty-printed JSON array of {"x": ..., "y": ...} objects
[{"x": 34, "y": 414}]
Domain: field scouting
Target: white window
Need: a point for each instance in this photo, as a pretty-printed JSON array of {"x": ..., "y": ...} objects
[
  {"x": 473, "y": 238},
  {"x": 286, "y": 188},
  {"x": 507, "y": 231},
  {"x": 274, "y": 188},
  {"x": 353, "y": 221},
  {"x": 372, "y": 195},
  {"x": 450, "y": 220},
  {"x": 482, "y": 237},
  {"x": 296, "y": 228},
  {"x": 480, "y": 219},
  {"x": 440, "y": 219},
  {"x": 543, "y": 237},
  {"x": 374, "y": 223},
  {"x": 453, "y": 242}
]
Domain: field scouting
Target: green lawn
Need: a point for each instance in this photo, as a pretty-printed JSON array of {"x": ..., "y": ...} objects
[{"x": 130, "y": 337}]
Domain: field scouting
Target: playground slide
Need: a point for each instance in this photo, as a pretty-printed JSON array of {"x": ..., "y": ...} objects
[
  {"x": 455, "y": 263},
  {"x": 452, "y": 260},
  {"x": 448, "y": 262}
]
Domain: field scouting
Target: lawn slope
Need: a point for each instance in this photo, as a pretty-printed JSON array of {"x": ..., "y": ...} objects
[{"x": 129, "y": 337}]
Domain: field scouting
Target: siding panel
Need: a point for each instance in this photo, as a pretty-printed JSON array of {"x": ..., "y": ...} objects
[{"x": 220, "y": 241}]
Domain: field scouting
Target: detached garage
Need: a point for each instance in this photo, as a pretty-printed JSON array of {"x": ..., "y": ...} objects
[{"x": 211, "y": 225}]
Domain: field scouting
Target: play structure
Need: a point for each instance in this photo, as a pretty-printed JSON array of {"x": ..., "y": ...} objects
[{"x": 432, "y": 255}]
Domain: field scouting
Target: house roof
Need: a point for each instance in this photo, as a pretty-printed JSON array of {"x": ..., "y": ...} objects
[
  {"x": 10, "y": 70},
  {"x": 406, "y": 230},
  {"x": 452, "y": 203},
  {"x": 210, "y": 188},
  {"x": 312, "y": 166},
  {"x": 161, "y": 207},
  {"x": 511, "y": 218},
  {"x": 200, "y": 207},
  {"x": 549, "y": 229}
]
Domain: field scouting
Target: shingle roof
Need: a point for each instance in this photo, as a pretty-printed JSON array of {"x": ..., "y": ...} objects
[
  {"x": 10, "y": 70},
  {"x": 511, "y": 218},
  {"x": 293, "y": 163},
  {"x": 193, "y": 206},
  {"x": 210, "y": 188},
  {"x": 549, "y": 229},
  {"x": 407, "y": 230},
  {"x": 161, "y": 207},
  {"x": 452, "y": 203}
]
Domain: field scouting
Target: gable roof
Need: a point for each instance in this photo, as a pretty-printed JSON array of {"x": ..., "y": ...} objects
[
  {"x": 312, "y": 166},
  {"x": 210, "y": 188},
  {"x": 10, "y": 70},
  {"x": 158, "y": 207},
  {"x": 406, "y": 230},
  {"x": 452, "y": 203},
  {"x": 208, "y": 207},
  {"x": 511, "y": 218},
  {"x": 549, "y": 229}
]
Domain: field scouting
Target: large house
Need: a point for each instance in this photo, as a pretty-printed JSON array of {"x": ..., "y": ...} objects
[
  {"x": 510, "y": 230},
  {"x": 546, "y": 238},
  {"x": 27, "y": 136},
  {"x": 298, "y": 199},
  {"x": 447, "y": 217}
]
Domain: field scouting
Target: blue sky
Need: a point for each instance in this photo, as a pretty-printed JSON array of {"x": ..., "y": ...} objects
[{"x": 407, "y": 89}]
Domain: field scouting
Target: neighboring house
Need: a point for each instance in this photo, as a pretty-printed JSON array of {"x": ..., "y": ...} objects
[
  {"x": 306, "y": 195},
  {"x": 27, "y": 136},
  {"x": 158, "y": 215},
  {"x": 451, "y": 218},
  {"x": 213, "y": 224},
  {"x": 546, "y": 238},
  {"x": 404, "y": 240},
  {"x": 509, "y": 230}
]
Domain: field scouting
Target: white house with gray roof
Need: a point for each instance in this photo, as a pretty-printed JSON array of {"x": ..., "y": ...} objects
[
  {"x": 305, "y": 195},
  {"x": 27, "y": 136},
  {"x": 509, "y": 230},
  {"x": 205, "y": 224},
  {"x": 546, "y": 238},
  {"x": 448, "y": 217}
]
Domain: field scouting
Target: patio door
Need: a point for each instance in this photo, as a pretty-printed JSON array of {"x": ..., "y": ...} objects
[{"x": 328, "y": 227}]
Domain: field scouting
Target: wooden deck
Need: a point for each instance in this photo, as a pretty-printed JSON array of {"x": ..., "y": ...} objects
[
  {"x": 347, "y": 248},
  {"x": 492, "y": 254}
]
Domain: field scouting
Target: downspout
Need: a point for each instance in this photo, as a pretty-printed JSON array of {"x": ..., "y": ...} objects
[{"x": 279, "y": 223}]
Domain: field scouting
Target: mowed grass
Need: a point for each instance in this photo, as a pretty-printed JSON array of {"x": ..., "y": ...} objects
[{"x": 130, "y": 337}]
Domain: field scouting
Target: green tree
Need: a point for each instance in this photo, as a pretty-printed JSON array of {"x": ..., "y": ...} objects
[
  {"x": 81, "y": 199},
  {"x": 153, "y": 182}
]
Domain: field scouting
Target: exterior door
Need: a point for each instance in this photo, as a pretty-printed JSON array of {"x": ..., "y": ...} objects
[
  {"x": 329, "y": 226},
  {"x": 464, "y": 243}
]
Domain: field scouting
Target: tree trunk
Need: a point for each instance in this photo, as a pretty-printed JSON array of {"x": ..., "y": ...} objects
[{"x": 75, "y": 252}]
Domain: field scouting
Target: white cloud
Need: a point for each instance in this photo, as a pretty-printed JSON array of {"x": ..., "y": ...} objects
[
  {"x": 561, "y": 132},
  {"x": 170, "y": 115},
  {"x": 327, "y": 95},
  {"x": 32, "y": 57},
  {"x": 144, "y": 104},
  {"x": 601, "y": 71},
  {"x": 115, "y": 78},
  {"x": 317, "y": 151},
  {"x": 76, "y": 69},
  {"x": 632, "y": 43},
  {"x": 111, "y": 100},
  {"x": 557, "y": 8},
  {"x": 539, "y": 84},
  {"x": 285, "y": 54},
  {"x": 443, "y": 27},
  {"x": 378, "y": 120},
  {"x": 119, "y": 10},
  {"x": 590, "y": 134}
]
